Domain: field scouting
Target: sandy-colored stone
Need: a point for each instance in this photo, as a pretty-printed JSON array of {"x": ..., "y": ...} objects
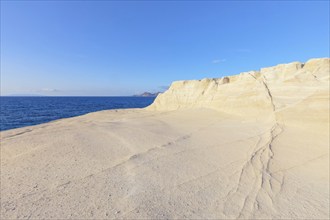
[{"x": 254, "y": 145}]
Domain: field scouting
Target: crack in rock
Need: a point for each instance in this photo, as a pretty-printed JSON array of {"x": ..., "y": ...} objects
[{"x": 256, "y": 187}]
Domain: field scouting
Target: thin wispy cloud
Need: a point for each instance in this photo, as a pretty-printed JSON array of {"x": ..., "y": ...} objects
[
  {"x": 48, "y": 90},
  {"x": 219, "y": 61}
]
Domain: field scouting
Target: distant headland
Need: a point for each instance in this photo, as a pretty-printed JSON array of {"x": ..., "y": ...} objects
[{"x": 147, "y": 94}]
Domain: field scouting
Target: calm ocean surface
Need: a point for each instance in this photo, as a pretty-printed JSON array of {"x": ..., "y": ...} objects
[{"x": 18, "y": 112}]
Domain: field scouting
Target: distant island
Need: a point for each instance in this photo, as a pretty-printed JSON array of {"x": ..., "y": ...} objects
[{"x": 148, "y": 94}]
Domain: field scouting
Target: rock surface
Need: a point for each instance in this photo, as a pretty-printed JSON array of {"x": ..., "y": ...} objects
[{"x": 254, "y": 145}]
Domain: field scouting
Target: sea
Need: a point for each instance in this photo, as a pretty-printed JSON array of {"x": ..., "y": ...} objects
[{"x": 16, "y": 112}]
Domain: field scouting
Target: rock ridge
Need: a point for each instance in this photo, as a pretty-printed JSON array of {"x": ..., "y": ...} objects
[{"x": 252, "y": 93}]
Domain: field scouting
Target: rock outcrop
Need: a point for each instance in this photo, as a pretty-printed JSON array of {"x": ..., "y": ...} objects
[{"x": 254, "y": 93}]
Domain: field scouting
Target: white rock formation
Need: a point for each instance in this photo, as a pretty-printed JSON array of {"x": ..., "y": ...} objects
[
  {"x": 250, "y": 94},
  {"x": 252, "y": 146}
]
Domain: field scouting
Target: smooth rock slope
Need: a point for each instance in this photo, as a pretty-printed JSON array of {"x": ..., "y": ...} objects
[{"x": 250, "y": 146}]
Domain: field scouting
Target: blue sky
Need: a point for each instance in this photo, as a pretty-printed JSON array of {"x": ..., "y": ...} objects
[{"x": 110, "y": 48}]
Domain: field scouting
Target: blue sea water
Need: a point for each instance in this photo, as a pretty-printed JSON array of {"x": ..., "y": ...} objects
[{"x": 18, "y": 112}]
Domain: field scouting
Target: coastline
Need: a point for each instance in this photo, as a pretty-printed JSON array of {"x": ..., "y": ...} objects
[
  {"x": 255, "y": 146},
  {"x": 19, "y": 112}
]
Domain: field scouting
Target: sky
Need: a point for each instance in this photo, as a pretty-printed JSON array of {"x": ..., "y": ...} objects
[{"x": 120, "y": 48}]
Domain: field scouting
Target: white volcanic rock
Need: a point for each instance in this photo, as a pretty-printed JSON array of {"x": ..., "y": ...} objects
[
  {"x": 253, "y": 146},
  {"x": 249, "y": 94}
]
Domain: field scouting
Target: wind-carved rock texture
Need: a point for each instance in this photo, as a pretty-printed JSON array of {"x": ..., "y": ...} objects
[
  {"x": 249, "y": 94},
  {"x": 287, "y": 95},
  {"x": 249, "y": 146}
]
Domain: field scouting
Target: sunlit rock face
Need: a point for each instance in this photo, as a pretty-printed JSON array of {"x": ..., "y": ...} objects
[{"x": 251, "y": 94}]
